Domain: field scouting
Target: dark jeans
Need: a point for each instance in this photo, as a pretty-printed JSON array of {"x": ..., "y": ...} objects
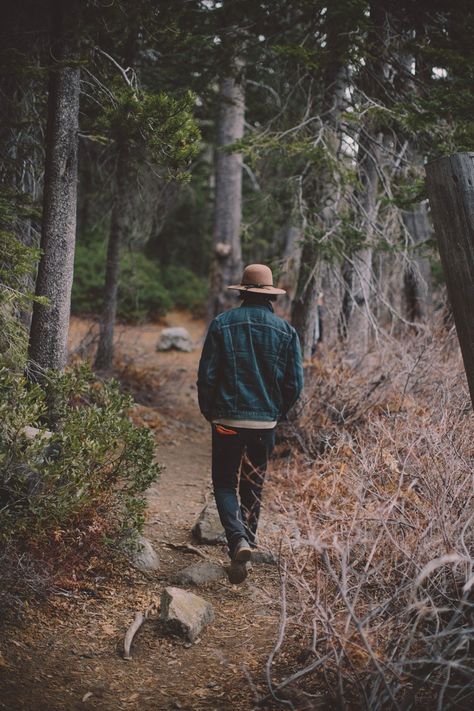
[{"x": 248, "y": 451}]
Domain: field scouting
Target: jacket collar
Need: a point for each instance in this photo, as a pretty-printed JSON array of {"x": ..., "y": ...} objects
[{"x": 263, "y": 304}]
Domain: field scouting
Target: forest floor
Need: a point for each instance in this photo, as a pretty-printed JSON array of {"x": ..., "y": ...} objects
[{"x": 67, "y": 654}]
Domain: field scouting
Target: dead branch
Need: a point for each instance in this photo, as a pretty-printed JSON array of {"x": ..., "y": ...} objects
[
  {"x": 131, "y": 632},
  {"x": 185, "y": 548}
]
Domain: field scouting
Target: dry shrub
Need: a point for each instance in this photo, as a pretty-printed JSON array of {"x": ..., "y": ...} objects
[
  {"x": 24, "y": 578},
  {"x": 143, "y": 382},
  {"x": 378, "y": 500}
]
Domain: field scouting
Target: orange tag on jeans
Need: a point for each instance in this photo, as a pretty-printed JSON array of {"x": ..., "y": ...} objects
[{"x": 225, "y": 430}]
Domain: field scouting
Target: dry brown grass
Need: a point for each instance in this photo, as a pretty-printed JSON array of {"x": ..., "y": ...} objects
[{"x": 378, "y": 547}]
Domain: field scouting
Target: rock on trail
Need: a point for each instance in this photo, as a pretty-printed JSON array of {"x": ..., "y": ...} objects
[
  {"x": 176, "y": 338},
  {"x": 184, "y": 613},
  {"x": 208, "y": 528},
  {"x": 200, "y": 573},
  {"x": 145, "y": 558},
  {"x": 260, "y": 557}
]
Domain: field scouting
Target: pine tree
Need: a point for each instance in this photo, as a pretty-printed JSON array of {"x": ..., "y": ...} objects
[{"x": 49, "y": 326}]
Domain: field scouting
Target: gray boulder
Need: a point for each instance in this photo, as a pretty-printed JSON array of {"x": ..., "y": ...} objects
[
  {"x": 200, "y": 573},
  {"x": 184, "y": 613},
  {"x": 208, "y": 528},
  {"x": 145, "y": 558},
  {"x": 263, "y": 558},
  {"x": 176, "y": 338}
]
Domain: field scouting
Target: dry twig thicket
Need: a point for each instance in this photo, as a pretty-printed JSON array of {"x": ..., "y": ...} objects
[{"x": 379, "y": 566}]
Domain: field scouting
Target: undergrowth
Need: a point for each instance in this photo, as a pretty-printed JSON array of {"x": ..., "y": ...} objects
[
  {"x": 68, "y": 495},
  {"x": 72, "y": 497},
  {"x": 378, "y": 574},
  {"x": 146, "y": 290}
]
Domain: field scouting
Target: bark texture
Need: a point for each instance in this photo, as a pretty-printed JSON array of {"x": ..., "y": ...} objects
[
  {"x": 450, "y": 185},
  {"x": 226, "y": 266},
  {"x": 49, "y": 326}
]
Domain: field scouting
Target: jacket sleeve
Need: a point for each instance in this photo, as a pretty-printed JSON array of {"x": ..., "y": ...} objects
[
  {"x": 208, "y": 371},
  {"x": 293, "y": 379}
]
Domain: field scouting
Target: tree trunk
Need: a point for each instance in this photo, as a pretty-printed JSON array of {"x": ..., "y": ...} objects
[
  {"x": 356, "y": 318},
  {"x": 49, "y": 326},
  {"x": 417, "y": 274},
  {"x": 118, "y": 231},
  {"x": 416, "y": 279},
  {"x": 305, "y": 312},
  {"x": 355, "y": 321},
  {"x": 450, "y": 186},
  {"x": 291, "y": 266},
  {"x": 226, "y": 266}
]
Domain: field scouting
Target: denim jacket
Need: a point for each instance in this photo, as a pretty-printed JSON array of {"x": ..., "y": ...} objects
[{"x": 251, "y": 365}]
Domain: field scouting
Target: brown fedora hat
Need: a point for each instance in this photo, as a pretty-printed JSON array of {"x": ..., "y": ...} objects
[{"x": 257, "y": 278}]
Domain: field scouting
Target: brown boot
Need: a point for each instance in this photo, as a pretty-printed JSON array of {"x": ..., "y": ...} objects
[{"x": 237, "y": 571}]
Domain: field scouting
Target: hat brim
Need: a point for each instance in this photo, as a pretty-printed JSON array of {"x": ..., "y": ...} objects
[{"x": 257, "y": 290}]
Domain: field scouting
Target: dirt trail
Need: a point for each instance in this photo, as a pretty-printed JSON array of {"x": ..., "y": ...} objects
[{"x": 67, "y": 654}]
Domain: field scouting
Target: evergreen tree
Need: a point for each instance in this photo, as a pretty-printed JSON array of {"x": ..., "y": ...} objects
[{"x": 50, "y": 322}]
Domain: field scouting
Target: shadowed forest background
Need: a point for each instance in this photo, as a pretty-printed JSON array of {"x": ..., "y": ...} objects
[{"x": 149, "y": 151}]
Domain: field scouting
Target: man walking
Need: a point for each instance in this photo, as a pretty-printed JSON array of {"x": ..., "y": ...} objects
[{"x": 250, "y": 375}]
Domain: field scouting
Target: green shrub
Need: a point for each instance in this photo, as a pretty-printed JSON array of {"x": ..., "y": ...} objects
[
  {"x": 89, "y": 277},
  {"x": 65, "y": 494},
  {"x": 187, "y": 290},
  {"x": 145, "y": 290},
  {"x": 85, "y": 483},
  {"x": 142, "y": 294},
  {"x": 17, "y": 262}
]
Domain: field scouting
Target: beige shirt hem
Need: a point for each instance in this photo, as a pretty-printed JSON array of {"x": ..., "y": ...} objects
[{"x": 246, "y": 424}]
